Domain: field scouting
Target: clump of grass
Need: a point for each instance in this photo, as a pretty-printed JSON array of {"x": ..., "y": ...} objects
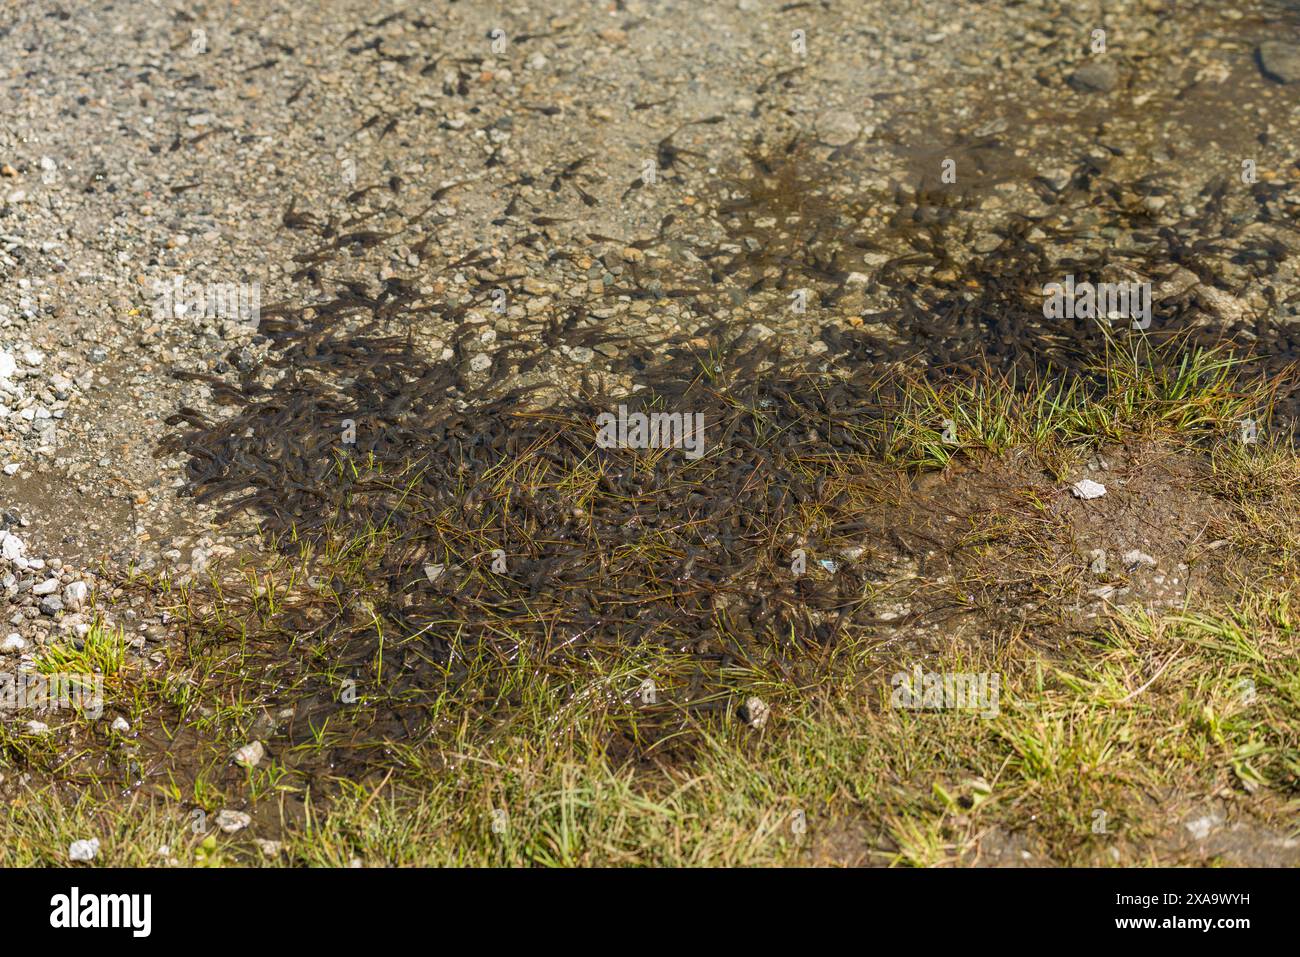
[
  {"x": 1136, "y": 388},
  {"x": 102, "y": 651}
]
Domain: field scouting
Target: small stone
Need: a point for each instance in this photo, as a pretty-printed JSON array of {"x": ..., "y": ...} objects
[
  {"x": 121, "y": 725},
  {"x": 83, "y": 850},
  {"x": 75, "y": 595},
  {"x": 755, "y": 713},
  {"x": 11, "y": 547},
  {"x": 37, "y": 727},
  {"x": 1134, "y": 558},
  {"x": 1223, "y": 304},
  {"x": 1201, "y": 827},
  {"x": 13, "y": 645},
  {"x": 1087, "y": 488},
  {"x": 271, "y": 849},
  {"x": 51, "y": 605},
  {"x": 1098, "y": 76},
  {"x": 12, "y": 468},
  {"x": 838, "y": 127},
  {"x": 232, "y": 821},
  {"x": 1280, "y": 61},
  {"x": 1176, "y": 283},
  {"x": 250, "y": 755},
  {"x": 47, "y": 587}
]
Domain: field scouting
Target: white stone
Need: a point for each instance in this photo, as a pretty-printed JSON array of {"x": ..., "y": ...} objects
[
  {"x": 838, "y": 127},
  {"x": 1087, "y": 488},
  {"x": 75, "y": 595},
  {"x": 83, "y": 850},
  {"x": 250, "y": 755},
  {"x": 11, "y": 546},
  {"x": 232, "y": 821},
  {"x": 1201, "y": 827},
  {"x": 757, "y": 712},
  {"x": 1135, "y": 557}
]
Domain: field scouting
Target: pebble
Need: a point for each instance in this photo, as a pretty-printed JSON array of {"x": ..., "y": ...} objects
[
  {"x": 84, "y": 850},
  {"x": 1098, "y": 76},
  {"x": 269, "y": 849},
  {"x": 75, "y": 595},
  {"x": 250, "y": 755},
  {"x": 756, "y": 713},
  {"x": 1201, "y": 827},
  {"x": 1280, "y": 61},
  {"x": 12, "y": 548},
  {"x": 1087, "y": 488},
  {"x": 12, "y": 645},
  {"x": 1223, "y": 304},
  {"x": 1133, "y": 558},
  {"x": 838, "y": 127},
  {"x": 232, "y": 821}
]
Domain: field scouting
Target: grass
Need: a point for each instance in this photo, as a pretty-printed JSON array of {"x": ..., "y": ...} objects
[
  {"x": 1134, "y": 388},
  {"x": 1183, "y": 705},
  {"x": 536, "y": 742},
  {"x": 102, "y": 651}
]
